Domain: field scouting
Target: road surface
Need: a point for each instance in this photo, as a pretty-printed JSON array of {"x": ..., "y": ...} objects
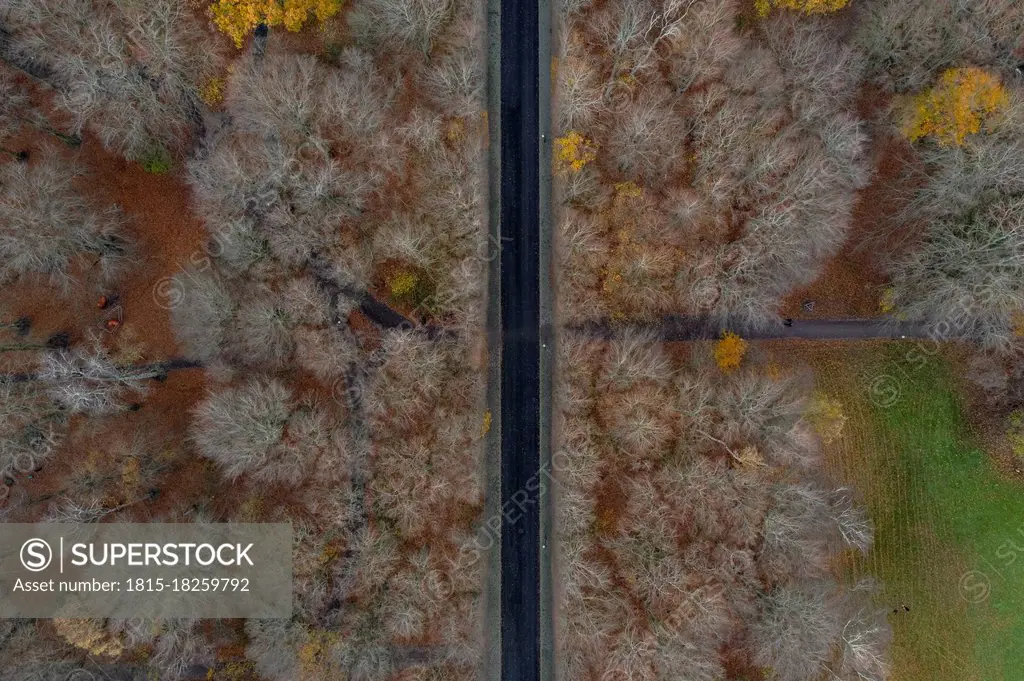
[
  {"x": 520, "y": 345},
  {"x": 680, "y": 328}
]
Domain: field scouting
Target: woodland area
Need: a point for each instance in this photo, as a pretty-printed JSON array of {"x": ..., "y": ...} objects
[
  {"x": 714, "y": 158},
  {"x": 780, "y": 116},
  {"x": 243, "y": 259},
  {"x": 230, "y": 232},
  {"x": 696, "y": 535}
]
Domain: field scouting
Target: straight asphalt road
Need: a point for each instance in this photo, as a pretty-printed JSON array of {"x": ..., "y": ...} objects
[{"x": 520, "y": 344}]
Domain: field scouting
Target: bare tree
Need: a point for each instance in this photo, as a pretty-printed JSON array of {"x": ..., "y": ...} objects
[
  {"x": 965, "y": 280},
  {"x": 31, "y": 427},
  {"x": 274, "y": 184},
  {"x": 401, "y": 24},
  {"x": 570, "y": 7},
  {"x": 794, "y": 632},
  {"x": 865, "y": 640},
  {"x": 130, "y": 72},
  {"x": 633, "y": 31},
  {"x": 706, "y": 45},
  {"x": 45, "y": 224},
  {"x": 908, "y": 43},
  {"x": 852, "y": 522},
  {"x": 458, "y": 84},
  {"x": 259, "y": 429},
  {"x": 274, "y": 646},
  {"x": 178, "y": 647},
  {"x": 795, "y": 530},
  {"x": 17, "y": 112},
  {"x": 578, "y": 90},
  {"x": 242, "y": 429},
  {"x": 753, "y": 408},
  {"x": 26, "y": 655},
  {"x": 68, "y": 510},
  {"x": 638, "y": 139},
  {"x": 89, "y": 381}
]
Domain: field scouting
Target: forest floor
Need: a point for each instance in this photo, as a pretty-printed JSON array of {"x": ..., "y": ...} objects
[
  {"x": 852, "y": 282},
  {"x": 166, "y": 237},
  {"x": 949, "y": 524}
]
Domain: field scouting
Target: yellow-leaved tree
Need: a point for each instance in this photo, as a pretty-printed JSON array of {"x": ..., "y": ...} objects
[
  {"x": 89, "y": 635},
  {"x": 573, "y": 151},
  {"x": 729, "y": 352},
  {"x": 237, "y": 18},
  {"x": 806, "y": 6},
  {"x": 959, "y": 105},
  {"x": 826, "y": 416}
]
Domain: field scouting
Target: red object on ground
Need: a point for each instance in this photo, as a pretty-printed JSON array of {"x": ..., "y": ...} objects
[
  {"x": 102, "y": 302},
  {"x": 113, "y": 324}
]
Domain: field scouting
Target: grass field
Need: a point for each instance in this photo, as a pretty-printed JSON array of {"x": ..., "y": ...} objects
[{"x": 949, "y": 530}]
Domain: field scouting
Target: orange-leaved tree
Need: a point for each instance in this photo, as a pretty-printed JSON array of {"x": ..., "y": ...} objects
[
  {"x": 959, "y": 104},
  {"x": 729, "y": 352},
  {"x": 237, "y": 18},
  {"x": 806, "y": 6}
]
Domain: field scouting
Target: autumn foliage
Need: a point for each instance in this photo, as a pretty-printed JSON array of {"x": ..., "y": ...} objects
[
  {"x": 573, "y": 151},
  {"x": 959, "y": 104},
  {"x": 826, "y": 417},
  {"x": 89, "y": 635},
  {"x": 693, "y": 541},
  {"x": 237, "y": 18},
  {"x": 747, "y": 147},
  {"x": 729, "y": 352},
  {"x": 805, "y": 6}
]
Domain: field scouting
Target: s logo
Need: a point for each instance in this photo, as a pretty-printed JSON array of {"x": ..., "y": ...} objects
[{"x": 36, "y": 555}]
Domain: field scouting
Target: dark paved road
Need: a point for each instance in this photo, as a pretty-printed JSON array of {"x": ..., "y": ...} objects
[
  {"x": 844, "y": 329},
  {"x": 520, "y": 328},
  {"x": 678, "y": 328}
]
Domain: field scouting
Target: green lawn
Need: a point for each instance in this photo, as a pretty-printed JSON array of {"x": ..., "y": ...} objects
[{"x": 949, "y": 529}]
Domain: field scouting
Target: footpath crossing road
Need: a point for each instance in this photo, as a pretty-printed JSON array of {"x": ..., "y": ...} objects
[{"x": 681, "y": 328}]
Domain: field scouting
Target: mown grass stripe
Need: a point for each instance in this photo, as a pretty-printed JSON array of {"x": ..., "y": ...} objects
[{"x": 941, "y": 511}]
